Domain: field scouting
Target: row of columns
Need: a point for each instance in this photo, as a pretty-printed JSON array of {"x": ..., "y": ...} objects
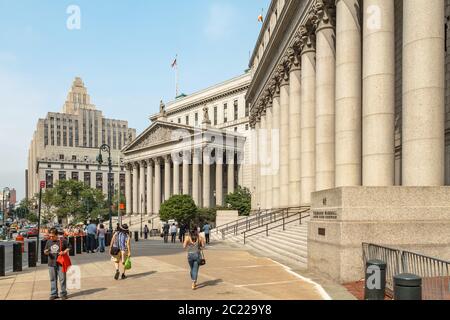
[
  {"x": 333, "y": 102},
  {"x": 144, "y": 180}
]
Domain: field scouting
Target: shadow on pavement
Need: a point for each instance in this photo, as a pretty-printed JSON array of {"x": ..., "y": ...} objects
[
  {"x": 210, "y": 283},
  {"x": 86, "y": 292},
  {"x": 140, "y": 275}
]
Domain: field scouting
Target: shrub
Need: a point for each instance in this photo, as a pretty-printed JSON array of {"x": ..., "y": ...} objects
[{"x": 240, "y": 200}]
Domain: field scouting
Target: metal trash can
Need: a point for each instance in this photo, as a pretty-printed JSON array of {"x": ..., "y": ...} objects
[
  {"x": 44, "y": 258},
  {"x": 136, "y": 236},
  {"x": 17, "y": 257},
  {"x": 32, "y": 259},
  {"x": 2, "y": 261},
  {"x": 375, "y": 280},
  {"x": 83, "y": 241},
  {"x": 407, "y": 286},
  {"x": 108, "y": 237},
  {"x": 78, "y": 245}
]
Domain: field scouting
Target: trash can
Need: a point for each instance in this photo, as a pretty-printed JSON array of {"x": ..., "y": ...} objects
[
  {"x": 83, "y": 241},
  {"x": 78, "y": 245},
  {"x": 32, "y": 259},
  {"x": 17, "y": 257},
  {"x": 72, "y": 246},
  {"x": 44, "y": 258},
  {"x": 407, "y": 286},
  {"x": 375, "y": 280},
  {"x": 2, "y": 261},
  {"x": 136, "y": 236}
]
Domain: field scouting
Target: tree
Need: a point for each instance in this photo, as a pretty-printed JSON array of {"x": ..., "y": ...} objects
[
  {"x": 48, "y": 206},
  {"x": 206, "y": 215},
  {"x": 180, "y": 208},
  {"x": 240, "y": 200}
]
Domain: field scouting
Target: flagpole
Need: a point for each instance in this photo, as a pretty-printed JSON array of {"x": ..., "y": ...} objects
[{"x": 176, "y": 79}]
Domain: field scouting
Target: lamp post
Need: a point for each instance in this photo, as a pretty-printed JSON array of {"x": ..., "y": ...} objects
[
  {"x": 4, "y": 203},
  {"x": 107, "y": 148}
]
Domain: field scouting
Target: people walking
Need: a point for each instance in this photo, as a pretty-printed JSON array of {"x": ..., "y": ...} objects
[
  {"x": 120, "y": 250},
  {"x": 173, "y": 232},
  {"x": 54, "y": 248},
  {"x": 101, "y": 234},
  {"x": 146, "y": 231},
  {"x": 91, "y": 231},
  {"x": 166, "y": 229},
  {"x": 206, "y": 229},
  {"x": 182, "y": 233},
  {"x": 194, "y": 245}
]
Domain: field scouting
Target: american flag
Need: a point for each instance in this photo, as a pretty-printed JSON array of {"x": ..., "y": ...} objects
[{"x": 174, "y": 63}]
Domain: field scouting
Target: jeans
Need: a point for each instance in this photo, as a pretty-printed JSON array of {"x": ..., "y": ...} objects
[
  {"x": 207, "y": 237},
  {"x": 90, "y": 242},
  {"x": 166, "y": 237},
  {"x": 193, "y": 259},
  {"x": 55, "y": 274},
  {"x": 174, "y": 237},
  {"x": 101, "y": 244}
]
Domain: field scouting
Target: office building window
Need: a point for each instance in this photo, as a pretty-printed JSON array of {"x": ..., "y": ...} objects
[
  {"x": 62, "y": 175},
  {"x": 74, "y": 158},
  {"x": 179, "y": 120},
  {"x": 49, "y": 179},
  {"x": 225, "y": 113},
  {"x": 99, "y": 181},
  {"x": 236, "y": 110},
  {"x": 87, "y": 179},
  {"x": 187, "y": 120},
  {"x": 215, "y": 116},
  {"x": 75, "y": 176},
  {"x": 246, "y": 127},
  {"x": 61, "y": 157},
  {"x": 196, "y": 119}
]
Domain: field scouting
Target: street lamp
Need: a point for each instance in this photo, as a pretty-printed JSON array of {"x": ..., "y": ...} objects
[{"x": 107, "y": 148}]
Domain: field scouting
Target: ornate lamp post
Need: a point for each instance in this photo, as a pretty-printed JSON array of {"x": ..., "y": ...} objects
[{"x": 107, "y": 148}]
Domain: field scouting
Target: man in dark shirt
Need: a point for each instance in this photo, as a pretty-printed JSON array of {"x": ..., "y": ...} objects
[
  {"x": 166, "y": 228},
  {"x": 54, "y": 248}
]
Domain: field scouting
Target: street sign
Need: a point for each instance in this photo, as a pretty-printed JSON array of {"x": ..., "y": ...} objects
[
  {"x": 122, "y": 206},
  {"x": 42, "y": 184}
]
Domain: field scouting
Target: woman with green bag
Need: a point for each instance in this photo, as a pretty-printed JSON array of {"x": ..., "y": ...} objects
[{"x": 120, "y": 250}]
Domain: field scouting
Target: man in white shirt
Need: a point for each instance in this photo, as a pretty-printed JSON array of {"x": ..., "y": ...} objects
[{"x": 173, "y": 232}]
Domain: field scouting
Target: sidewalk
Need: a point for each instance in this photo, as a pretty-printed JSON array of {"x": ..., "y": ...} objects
[{"x": 160, "y": 271}]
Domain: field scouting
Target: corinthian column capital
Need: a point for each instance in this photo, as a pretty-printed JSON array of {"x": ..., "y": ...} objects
[
  {"x": 307, "y": 34},
  {"x": 324, "y": 14}
]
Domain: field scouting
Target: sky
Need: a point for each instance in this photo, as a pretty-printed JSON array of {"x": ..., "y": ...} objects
[{"x": 122, "y": 50}]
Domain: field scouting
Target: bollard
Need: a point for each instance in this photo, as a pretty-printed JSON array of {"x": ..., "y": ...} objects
[
  {"x": 136, "y": 236},
  {"x": 32, "y": 254},
  {"x": 44, "y": 258},
  {"x": 78, "y": 244},
  {"x": 108, "y": 238},
  {"x": 2, "y": 261},
  {"x": 83, "y": 241},
  {"x": 17, "y": 257},
  {"x": 375, "y": 280},
  {"x": 407, "y": 287},
  {"x": 71, "y": 241}
]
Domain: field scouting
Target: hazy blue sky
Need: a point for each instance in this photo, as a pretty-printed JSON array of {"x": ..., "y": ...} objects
[{"x": 123, "y": 53}]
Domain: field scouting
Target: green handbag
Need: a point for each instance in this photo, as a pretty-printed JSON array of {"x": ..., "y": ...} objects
[{"x": 127, "y": 264}]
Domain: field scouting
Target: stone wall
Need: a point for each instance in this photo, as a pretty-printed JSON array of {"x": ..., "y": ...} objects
[{"x": 447, "y": 101}]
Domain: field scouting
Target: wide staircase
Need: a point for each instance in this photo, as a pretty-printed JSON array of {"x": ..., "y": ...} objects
[{"x": 280, "y": 234}]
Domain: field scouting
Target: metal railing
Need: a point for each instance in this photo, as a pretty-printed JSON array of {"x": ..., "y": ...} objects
[
  {"x": 435, "y": 273},
  {"x": 277, "y": 223}
]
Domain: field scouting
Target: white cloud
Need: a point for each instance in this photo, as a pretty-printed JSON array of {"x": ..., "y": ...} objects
[{"x": 220, "y": 20}]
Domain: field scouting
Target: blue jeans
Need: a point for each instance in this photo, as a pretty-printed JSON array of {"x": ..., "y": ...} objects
[
  {"x": 55, "y": 274},
  {"x": 101, "y": 243},
  {"x": 193, "y": 259},
  {"x": 91, "y": 242}
]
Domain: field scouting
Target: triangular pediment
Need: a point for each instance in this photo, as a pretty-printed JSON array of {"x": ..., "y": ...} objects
[{"x": 158, "y": 133}]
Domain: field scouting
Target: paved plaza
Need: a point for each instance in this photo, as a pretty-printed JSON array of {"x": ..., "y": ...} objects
[{"x": 160, "y": 271}]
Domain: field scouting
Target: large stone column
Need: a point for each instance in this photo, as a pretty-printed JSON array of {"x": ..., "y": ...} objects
[
  {"x": 378, "y": 93},
  {"x": 135, "y": 188},
  {"x": 269, "y": 171},
  {"x": 284, "y": 140},
  {"x": 149, "y": 187},
  {"x": 176, "y": 177},
  {"x": 325, "y": 97},
  {"x": 258, "y": 163},
  {"x": 196, "y": 177},
  {"x": 186, "y": 163},
  {"x": 423, "y": 93},
  {"x": 167, "y": 169},
  {"x": 308, "y": 116},
  {"x": 219, "y": 177},
  {"x": 348, "y": 93},
  {"x": 276, "y": 147},
  {"x": 206, "y": 186},
  {"x": 128, "y": 187},
  {"x": 295, "y": 96},
  {"x": 142, "y": 187},
  {"x": 230, "y": 162},
  {"x": 263, "y": 158},
  {"x": 157, "y": 200}
]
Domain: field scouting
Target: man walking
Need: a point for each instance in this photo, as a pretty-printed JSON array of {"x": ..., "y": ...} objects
[
  {"x": 206, "y": 229},
  {"x": 166, "y": 228},
  {"x": 173, "y": 232},
  {"x": 146, "y": 231},
  {"x": 91, "y": 231}
]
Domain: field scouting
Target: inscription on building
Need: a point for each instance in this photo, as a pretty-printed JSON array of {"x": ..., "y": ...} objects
[{"x": 325, "y": 215}]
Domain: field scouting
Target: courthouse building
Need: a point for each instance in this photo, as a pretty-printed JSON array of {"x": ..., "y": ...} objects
[
  {"x": 65, "y": 145},
  {"x": 359, "y": 94},
  {"x": 196, "y": 145}
]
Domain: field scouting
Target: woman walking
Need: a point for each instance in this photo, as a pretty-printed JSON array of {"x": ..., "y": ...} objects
[
  {"x": 101, "y": 232},
  {"x": 194, "y": 245},
  {"x": 120, "y": 250}
]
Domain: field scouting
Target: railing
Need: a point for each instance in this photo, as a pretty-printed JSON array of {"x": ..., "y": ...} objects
[
  {"x": 245, "y": 223},
  {"x": 435, "y": 273},
  {"x": 280, "y": 223}
]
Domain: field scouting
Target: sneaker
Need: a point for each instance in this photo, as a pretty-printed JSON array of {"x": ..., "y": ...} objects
[
  {"x": 53, "y": 298},
  {"x": 123, "y": 276},
  {"x": 194, "y": 286},
  {"x": 116, "y": 276}
]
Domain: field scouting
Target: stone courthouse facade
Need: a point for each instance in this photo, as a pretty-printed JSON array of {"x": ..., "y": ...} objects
[{"x": 355, "y": 97}]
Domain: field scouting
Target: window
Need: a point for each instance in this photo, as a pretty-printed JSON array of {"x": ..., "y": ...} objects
[
  {"x": 49, "y": 165},
  {"x": 75, "y": 176},
  {"x": 225, "y": 113},
  {"x": 179, "y": 120},
  {"x": 75, "y": 166},
  {"x": 49, "y": 179},
  {"x": 246, "y": 127},
  {"x": 235, "y": 129},
  {"x": 215, "y": 116},
  {"x": 99, "y": 181},
  {"x": 187, "y": 120},
  {"x": 87, "y": 179},
  {"x": 74, "y": 158},
  {"x": 247, "y": 109},
  {"x": 62, "y": 165},
  {"x": 236, "y": 110},
  {"x": 62, "y": 175},
  {"x": 196, "y": 119}
]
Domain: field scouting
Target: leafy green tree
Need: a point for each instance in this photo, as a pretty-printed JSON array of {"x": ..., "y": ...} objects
[
  {"x": 48, "y": 206},
  {"x": 206, "y": 215},
  {"x": 240, "y": 200},
  {"x": 180, "y": 208}
]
